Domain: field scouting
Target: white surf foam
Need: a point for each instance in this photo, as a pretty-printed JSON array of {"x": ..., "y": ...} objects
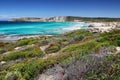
[{"x": 78, "y": 25}]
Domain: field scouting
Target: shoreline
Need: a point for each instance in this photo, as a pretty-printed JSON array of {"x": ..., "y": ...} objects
[
  {"x": 94, "y": 27},
  {"x": 59, "y": 31},
  {"x": 18, "y": 37}
]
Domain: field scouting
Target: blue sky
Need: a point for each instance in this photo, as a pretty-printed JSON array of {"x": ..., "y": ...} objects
[{"x": 48, "y": 8}]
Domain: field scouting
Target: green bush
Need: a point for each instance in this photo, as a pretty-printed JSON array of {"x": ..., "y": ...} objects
[
  {"x": 109, "y": 69},
  {"x": 2, "y": 44},
  {"x": 3, "y": 74},
  {"x": 42, "y": 43},
  {"x": 112, "y": 37},
  {"x": 76, "y": 35},
  {"x": 88, "y": 46},
  {"x": 2, "y": 51},
  {"x": 53, "y": 49},
  {"x": 15, "y": 75},
  {"x": 26, "y": 41},
  {"x": 10, "y": 48},
  {"x": 32, "y": 68},
  {"x": 82, "y": 49},
  {"x": 78, "y": 32},
  {"x": 22, "y": 42},
  {"x": 64, "y": 43},
  {"x": 27, "y": 53}
]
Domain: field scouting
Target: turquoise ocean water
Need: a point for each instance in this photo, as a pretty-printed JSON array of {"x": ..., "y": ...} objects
[{"x": 42, "y": 28}]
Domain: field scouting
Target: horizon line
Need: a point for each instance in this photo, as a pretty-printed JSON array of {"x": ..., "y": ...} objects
[{"x": 10, "y": 17}]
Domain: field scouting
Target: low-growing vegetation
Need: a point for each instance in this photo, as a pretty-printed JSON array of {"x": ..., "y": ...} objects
[
  {"x": 2, "y": 51},
  {"x": 26, "y": 41},
  {"x": 109, "y": 69},
  {"x": 26, "y": 53},
  {"x": 68, "y": 47}
]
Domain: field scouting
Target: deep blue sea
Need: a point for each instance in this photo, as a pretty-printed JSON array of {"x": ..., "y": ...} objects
[{"x": 42, "y": 28}]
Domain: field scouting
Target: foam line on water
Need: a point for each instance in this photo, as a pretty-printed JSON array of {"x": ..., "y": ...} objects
[{"x": 78, "y": 25}]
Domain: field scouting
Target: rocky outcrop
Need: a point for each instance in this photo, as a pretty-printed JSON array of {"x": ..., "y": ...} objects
[
  {"x": 51, "y": 19},
  {"x": 103, "y": 26},
  {"x": 57, "y": 19}
]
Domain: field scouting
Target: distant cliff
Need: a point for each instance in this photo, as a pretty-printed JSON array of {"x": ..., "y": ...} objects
[
  {"x": 67, "y": 18},
  {"x": 28, "y": 19},
  {"x": 32, "y": 19}
]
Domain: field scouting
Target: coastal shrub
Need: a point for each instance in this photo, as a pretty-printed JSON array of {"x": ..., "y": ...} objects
[
  {"x": 2, "y": 51},
  {"x": 32, "y": 42},
  {"x": 64, "y": 43},
  {"x": 83, "y": 49},
  {"x": 32, "y": 68},
  {"x": 85, "y": 46},
  {"x": 26, "y": 41},
  {"x": 3, "y": 74},
  {"x": 27, "y": 53},
  {"x": 22, "y": 42},
  {"x": 34, "y": 64},
  {"x": 109, "y": 69},
  {"x": 76, "y": 35},
  {"x": 53, "y": 49},
  {"x": 2, "y": 44},
  {"x": 10, "y": 48},
  {"x": 43, "y": 42},
  {"x": 113, "y": 39},
  {"x": 78, "y": 32},
  {"x": 15, "y": 75}
]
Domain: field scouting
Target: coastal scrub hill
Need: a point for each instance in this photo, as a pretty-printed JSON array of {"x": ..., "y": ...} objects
[{"x": 76, "y": 55}]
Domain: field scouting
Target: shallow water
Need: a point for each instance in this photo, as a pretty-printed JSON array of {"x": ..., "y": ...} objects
[
  {"x": 43, "y": 28},
  {"x": 19, "y": 30}
]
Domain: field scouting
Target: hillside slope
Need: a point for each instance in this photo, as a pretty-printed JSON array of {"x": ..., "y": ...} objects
[{"x": 75, "y": 55}]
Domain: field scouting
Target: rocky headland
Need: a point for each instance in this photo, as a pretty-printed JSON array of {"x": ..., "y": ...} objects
[
  {"x": 103, "y": 26},
  {"x": 67, "y": 19}
]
